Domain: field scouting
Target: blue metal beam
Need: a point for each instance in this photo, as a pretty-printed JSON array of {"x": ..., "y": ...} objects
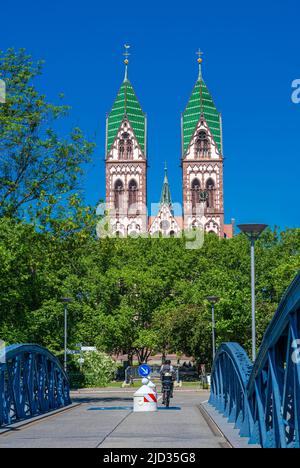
[
  {"x": 264, "y": 400},
  {"x": 32, "y": 382}
]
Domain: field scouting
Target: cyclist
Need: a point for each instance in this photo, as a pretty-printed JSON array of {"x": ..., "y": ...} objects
[{"x": 167, "y": 376}]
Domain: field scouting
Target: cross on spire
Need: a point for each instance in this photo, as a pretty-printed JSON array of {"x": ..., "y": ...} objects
[
  {"x": 126, "y": 53},
  {"x": 126, "y": 61},
  {"x": 199, "y": 53},
  {"x": 200, "y": 60}
]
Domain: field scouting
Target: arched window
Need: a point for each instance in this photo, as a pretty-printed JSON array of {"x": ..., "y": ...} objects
[
  {"x": 125, "y": 146},
  {"x": 121, "y": 149},
  {"x": 202, "y": 145},
  {"x": 195, "y": 194},
  {"x": 210, "y": 187},
  {"x": 129, "y": 149},
  {"x": 119, "y": 192},
  {"x": 133, "y": 193}
]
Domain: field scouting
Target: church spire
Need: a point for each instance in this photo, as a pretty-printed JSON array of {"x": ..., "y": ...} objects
[
  {"x": 199, "y": 60},
  {"x": 166, "y": 198},
  {"x": 126, "y": 61},
  {"x": 126, "y": 105},
  {"x": 200, "y": 79},
  {"x": 200, "y": 104}
]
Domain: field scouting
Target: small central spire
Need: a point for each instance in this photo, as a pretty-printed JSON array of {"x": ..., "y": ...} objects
[
  {"x": 166, "y": 198},
  {"x": 126, "y": 61},
  {"x": 166, "y": 171},
  {"x": 200, "y": 60}
]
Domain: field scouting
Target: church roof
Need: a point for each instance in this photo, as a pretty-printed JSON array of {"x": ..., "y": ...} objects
[
  {"x": 166, "y": 198},
  {"x": 200, "y": 103},
  {"x": 126, "y": 105}
]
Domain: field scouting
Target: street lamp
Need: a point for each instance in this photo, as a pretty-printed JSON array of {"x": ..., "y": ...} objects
[
  {"x": 65, "y": 301},
  {"x": 253, "y": 232},
  {"x": 213, "y": 301}
]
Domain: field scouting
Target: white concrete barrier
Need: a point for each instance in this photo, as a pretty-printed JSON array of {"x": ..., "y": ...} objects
[{"x": 145, "y": 398}]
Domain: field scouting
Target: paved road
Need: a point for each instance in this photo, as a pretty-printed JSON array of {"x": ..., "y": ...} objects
[{"x": 82, "y": 427}]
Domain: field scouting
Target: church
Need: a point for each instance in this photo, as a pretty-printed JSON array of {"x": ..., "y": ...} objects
[{"x": 202, "y": 164}]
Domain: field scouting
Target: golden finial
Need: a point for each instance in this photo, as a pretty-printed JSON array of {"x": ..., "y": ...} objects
[
  {"x": 200, "y": 60},
  {"x": 126, "y": 61},
  {"x": 199, "y": 53},
  {"x": 126, "y": 53}
]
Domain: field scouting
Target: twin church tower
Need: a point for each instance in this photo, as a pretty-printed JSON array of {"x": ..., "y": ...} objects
[{"x": 201, "y": 161}]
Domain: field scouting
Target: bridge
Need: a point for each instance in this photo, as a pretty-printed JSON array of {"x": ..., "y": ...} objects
[
  {"x": 262, "y": 399},
  {"x": 250, "y": 404}
]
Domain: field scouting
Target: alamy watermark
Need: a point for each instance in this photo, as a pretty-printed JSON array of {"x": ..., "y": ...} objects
[
  {"x": 111, "y": 224},
  {"x": 2, "y": 92},
  {"x": 2, "y": 352},
  {"x": 296, "y": 353},
  {"x": 296, "y": 92}
]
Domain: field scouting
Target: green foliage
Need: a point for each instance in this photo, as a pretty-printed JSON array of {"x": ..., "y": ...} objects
[
  {"x": 38, "y": 167},
  {"x": 98, "y": 369},
  {"x": 137, "y": 296}
]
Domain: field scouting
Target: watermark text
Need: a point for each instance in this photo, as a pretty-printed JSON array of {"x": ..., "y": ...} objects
[
  {"x": 296, "y": 92},
  {"x": 2, "y": 352},
  {"x": 2, "y": 92}
]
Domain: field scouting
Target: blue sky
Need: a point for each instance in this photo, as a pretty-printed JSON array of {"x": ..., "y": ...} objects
[{"x": 251, "y": 59}]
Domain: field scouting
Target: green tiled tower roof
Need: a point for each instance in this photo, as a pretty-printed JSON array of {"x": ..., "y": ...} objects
[
  {"x": 126, "y": 104},
  {"x": 200, "y": 103}
]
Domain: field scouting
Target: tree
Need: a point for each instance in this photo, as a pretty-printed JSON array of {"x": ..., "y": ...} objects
[
  {"x": 136, "y": 296},
  {"x": 37, "y": 166}
]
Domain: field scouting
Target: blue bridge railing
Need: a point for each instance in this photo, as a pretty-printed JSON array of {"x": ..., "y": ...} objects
[
  {"x": 32, "y": 382},
  {"x": 263, "y": 399}
]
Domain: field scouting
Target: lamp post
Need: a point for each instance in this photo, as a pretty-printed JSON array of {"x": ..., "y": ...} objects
[
  {"x": 213, "y": 301},
  {"x": 253, "y": 232},
  {"x": 66, "y": 301}
]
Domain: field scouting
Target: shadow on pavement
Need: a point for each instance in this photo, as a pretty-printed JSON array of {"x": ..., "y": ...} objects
[{"x": 94, "y": 399}]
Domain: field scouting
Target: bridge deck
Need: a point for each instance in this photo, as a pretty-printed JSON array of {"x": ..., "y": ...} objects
[{"x": 82, "y": 427}]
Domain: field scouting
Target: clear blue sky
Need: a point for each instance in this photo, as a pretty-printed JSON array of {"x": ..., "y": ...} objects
[{"x": 251, "y": 58}]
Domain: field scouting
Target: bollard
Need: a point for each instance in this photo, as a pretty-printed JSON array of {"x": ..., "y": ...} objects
[
  {"x": 153, "y": 386},
  {"x": 145, "y": 398}
]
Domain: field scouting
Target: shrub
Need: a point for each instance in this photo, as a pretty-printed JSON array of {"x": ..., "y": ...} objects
[{"x": 98, "y": 369}]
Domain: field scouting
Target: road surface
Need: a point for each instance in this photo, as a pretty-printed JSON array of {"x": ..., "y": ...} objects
[{"x": 90, "y": 425}]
